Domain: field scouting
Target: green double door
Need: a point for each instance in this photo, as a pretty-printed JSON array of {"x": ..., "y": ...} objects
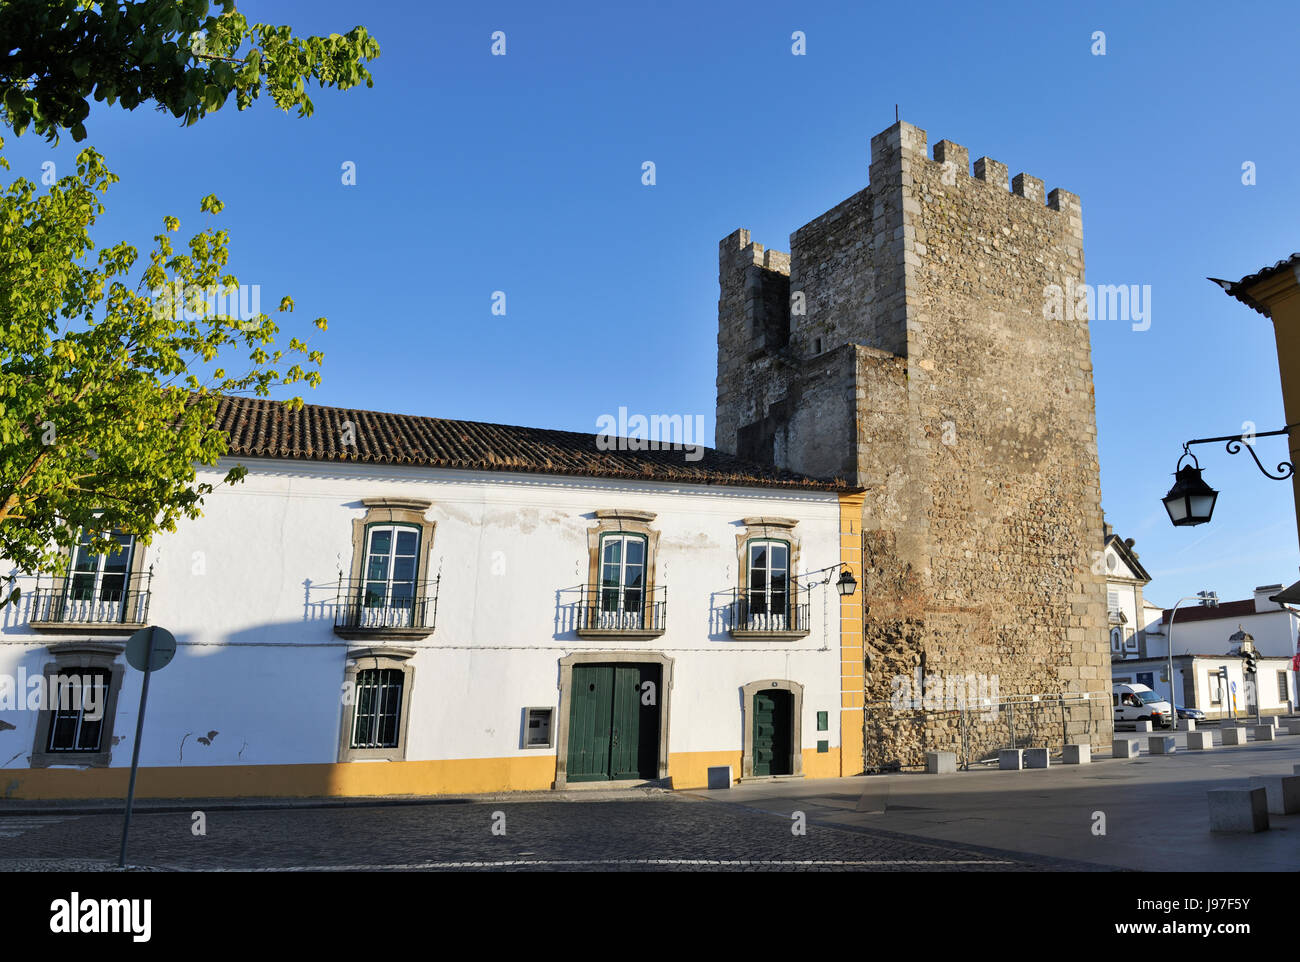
[
  {"x": 614, "y": 722},
  {"x": 772, "y": 732}
]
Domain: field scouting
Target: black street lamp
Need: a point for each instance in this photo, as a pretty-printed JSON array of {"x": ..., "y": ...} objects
[
  {"x": 1191, "y": 501},
  {"x": 847, "y": 583}
]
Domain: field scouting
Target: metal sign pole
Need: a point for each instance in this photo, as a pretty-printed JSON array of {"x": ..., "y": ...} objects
[{"x": 135, "y": 754}]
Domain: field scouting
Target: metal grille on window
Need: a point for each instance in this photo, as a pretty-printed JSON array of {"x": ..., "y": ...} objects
[
  {"x": 768, "y": 593},
  {"x": 78, "y": 701},
  {"x": 378, "y": 708}
]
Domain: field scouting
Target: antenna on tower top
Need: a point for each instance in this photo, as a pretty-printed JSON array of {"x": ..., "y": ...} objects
[{"x": 895, "y": 113}]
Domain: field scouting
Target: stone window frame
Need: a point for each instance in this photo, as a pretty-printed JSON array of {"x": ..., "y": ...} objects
[
  {"x": 621, "y": 521},
  {"x": 366, "y": 659},
  {"x": 561, "y": 726},
  {"x": 390, "y": 510},
  {"x": 796, "y": 726},
  {"x": 67, "y": 657},
  {"x": 767, "y": 528}
]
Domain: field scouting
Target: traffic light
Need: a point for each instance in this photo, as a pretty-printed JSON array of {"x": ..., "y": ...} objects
[{"x": 1251, "y": 662}]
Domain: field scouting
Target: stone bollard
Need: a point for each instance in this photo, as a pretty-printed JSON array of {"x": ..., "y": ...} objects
[
  {"x": 1187, "y": 724},
  {"x": 1144, "y": 726},
  {"x": 720, "y": 776},
  {"x": 1077, "y": 754},
  {"x": 1293, "y": 726},
  {"x": 940, "y": 763},
  {"x": 1125, "y": 748},
  {"x": 1282, "y": 791},
  {"x": 1011, "y": 759},
  {"x": 1233, "y": 735},
  {"x": 1238, "y": 809},
  {"x": 1161, "y": 745},
  {"x": 1200, "y": 741},
  {"x": 1265, "y": 733},
  {"x": 1037, "y": 758}
]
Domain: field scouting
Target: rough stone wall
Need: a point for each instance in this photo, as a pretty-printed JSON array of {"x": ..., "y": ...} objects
[{"x": 973, "y": 430}]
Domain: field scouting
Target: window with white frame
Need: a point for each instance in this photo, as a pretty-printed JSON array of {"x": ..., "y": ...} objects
[
  {"x": 1116, "y": 639},
  {"x": 98, "y": 586},
  {"x": 622, "y": 580},
  {"x": 390, "y": 570},
  {"x": 767, "y": 588},
  {"x": 1283, "y": 688}
]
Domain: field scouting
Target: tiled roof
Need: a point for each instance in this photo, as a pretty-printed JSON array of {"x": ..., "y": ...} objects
[
  {"x": 1237, "y": 289},
  {"x": 1226, "y": 609},
  {"x": 266, "y": 429}
]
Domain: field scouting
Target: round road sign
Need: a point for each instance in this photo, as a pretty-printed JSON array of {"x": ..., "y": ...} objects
[{"x": 164, "y": 648}]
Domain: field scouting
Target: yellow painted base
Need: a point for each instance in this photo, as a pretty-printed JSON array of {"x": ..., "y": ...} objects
[{"x": 467, "y": 776}]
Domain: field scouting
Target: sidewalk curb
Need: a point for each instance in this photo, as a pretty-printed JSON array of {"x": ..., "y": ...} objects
[{"x": 188, "y": 806}]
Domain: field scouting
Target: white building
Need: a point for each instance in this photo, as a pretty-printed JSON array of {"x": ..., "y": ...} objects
[
  {"x": 402, "y": 605},
  {"x": 1204, "y": 645},
  {"x": 1127, "y": 611}
]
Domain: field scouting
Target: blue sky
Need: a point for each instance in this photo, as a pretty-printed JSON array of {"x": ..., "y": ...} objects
[{"x": 522, "y": 174}]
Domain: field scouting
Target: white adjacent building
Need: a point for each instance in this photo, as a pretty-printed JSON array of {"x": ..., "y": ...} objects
[{"x": 401, "y": 605}]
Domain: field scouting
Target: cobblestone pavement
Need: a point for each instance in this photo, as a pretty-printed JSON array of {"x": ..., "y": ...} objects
[{"x": 657, "y": 833}]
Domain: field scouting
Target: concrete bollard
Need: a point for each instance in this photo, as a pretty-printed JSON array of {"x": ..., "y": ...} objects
[
  {"x": 1200, "y": 741},
  {"x": 1233, "y": 735},
  {"x": 1265, "y": 733},
  {"x": 1238, "y": 809},
  {"x": 1293, "y": 727},
  {"x": 1282, "y": 791},
  {"x": 1037, "y": 758},
  {"x": 720, "y": 776},
  {"x": 1161, "y": 745},
  {"x": 1271, "y": 720},
  {"x": 1144, "y": 726},
  {"x": 940, "y": 763},
  {"x": 1125, "y": 748},
  {"x": 1011, "y": 759},
  {"x": 1077, "y": 754},
  {"x": 1187, "y": 724}
]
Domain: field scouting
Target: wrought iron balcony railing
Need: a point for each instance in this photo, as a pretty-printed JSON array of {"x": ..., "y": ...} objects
[
  {"x": 769, "y": 614},
  {"x": 83, "y": 600},
  {"x": 372, "y": 608},
  {"x": 615, "y": 610}
]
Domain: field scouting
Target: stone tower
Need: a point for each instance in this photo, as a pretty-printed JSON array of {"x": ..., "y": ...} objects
[{"x": 906, "y": 344}]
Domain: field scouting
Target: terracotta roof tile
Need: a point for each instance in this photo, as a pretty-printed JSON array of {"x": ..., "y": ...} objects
[{"x": 266, "y": 429}]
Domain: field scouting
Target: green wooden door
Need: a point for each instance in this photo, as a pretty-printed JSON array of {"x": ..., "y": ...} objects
[
  {"x": 613, "y": 734},
  {"x": 772, "y": 724},
  {"x": 589, "y": 722}
]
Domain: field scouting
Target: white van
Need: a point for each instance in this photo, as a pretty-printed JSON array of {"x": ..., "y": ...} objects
[{"x": 1135, "y": 703}]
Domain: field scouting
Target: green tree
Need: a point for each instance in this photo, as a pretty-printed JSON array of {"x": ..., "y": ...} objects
[
  {"x": 56, "y": 54},
  {"x": 108, "y": 388}
]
